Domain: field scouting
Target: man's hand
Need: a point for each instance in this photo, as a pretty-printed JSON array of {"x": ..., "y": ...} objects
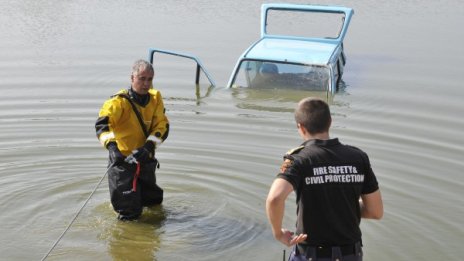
[
  {"x": 114, "y": 153},
  {"x": 288, "y": 238},
  {"x": 144, "y": 153}
]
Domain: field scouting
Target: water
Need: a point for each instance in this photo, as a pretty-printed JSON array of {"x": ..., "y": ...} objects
[{"x": 61, "y": 59}]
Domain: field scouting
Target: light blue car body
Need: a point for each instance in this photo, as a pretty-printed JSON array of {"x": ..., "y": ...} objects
[
  {"x": 309, "y": 62},
  {"x": 326, "y": 52}
]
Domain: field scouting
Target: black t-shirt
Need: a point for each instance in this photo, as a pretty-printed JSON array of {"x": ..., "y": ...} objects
[{"x": 328, "y": 178}]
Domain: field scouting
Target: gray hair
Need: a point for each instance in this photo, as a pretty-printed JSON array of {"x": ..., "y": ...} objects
[{"x": 141, "y": 65}]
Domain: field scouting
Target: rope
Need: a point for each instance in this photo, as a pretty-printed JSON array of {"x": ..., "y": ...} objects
[{"x": 75, "y": 217}]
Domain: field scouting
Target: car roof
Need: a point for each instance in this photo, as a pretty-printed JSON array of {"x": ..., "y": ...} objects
[
  {"x": 318, "y": 51},
  {"x": 297, "y": 49},
  {"x": 291, "y": 51},
  {"x": 348, "y": 13}
]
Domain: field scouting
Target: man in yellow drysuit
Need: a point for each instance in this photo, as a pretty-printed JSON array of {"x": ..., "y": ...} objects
[{"x": 131, "y": 125}]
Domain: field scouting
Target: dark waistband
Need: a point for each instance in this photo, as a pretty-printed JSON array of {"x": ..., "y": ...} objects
[{"x": 327, "y": 251}]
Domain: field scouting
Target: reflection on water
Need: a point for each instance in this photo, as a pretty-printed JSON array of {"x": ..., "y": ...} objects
[
  {"x": 276, "y": 100},
  {"x": 61, "y": 59},
  {"x": 140, "y": 238},
  {"x": 281, "y": 99}
]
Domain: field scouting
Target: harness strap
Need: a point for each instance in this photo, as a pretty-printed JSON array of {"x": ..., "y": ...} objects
[
  {"x": 137, "y": 113},
  {"x": 136, "y": 177}
]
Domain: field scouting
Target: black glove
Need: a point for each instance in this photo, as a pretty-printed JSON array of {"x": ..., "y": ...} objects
[
  {"x": 115, "y": 153},
  {"x": 145, "y": 153}
]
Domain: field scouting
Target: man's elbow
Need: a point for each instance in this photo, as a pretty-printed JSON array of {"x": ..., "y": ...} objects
[
  {"x": 272, "y": 201},
  {"x": 372, "y": 205},
  {"x": 377, "y": 215},
  {"x": 380, "y": 212}
]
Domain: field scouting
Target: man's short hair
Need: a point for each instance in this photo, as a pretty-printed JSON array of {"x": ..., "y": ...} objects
[
  {"x": 141, "y": 65},
  {"x": 313, "y": 114}
]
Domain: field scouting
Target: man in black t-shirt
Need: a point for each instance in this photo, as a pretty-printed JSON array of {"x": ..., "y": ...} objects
[{"x": 335, "y": 187}]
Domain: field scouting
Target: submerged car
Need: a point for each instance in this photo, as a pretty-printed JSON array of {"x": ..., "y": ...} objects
[
  {"x": 285, "y": 61},
  {"x": 296, "y": 62}
]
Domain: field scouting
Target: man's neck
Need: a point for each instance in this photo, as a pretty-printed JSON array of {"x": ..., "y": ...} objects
[
  {"x": 317, "y": 136},
  {"x": 141, "y": 99}
]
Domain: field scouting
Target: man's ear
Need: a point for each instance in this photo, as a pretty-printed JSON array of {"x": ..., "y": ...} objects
[{"x": 301, "y": 129}]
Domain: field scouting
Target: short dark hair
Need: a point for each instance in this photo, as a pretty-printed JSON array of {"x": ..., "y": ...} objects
[{"x": 313, "y": 114}]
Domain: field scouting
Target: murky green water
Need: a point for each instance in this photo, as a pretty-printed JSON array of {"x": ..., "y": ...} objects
[{"x": 59, "y": 60}]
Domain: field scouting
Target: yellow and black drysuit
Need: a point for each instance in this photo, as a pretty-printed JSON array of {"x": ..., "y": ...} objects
[{"x": 118, "y": 126}]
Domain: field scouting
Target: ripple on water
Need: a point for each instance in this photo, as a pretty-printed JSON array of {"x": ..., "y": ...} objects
[{"x": 203, "y": 216}]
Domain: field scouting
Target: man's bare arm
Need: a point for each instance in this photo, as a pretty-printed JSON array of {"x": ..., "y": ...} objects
[
  {"x": 371, "y": 205},
  {"x": 275, "y": 207}
]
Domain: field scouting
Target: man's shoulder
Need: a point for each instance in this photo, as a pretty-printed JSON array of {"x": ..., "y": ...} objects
[
  {"x": 289, "y": 158},
  {"x": 294, "y": 150},
  {"x": 119, "y": 94},
  {"x": 154, "y": 92},
  {"x": 354, "y": 148},
  {"x": 116, "y": 99}
]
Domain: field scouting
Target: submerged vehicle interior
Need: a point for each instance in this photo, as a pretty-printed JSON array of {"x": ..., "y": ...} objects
[{"x": 270, "y": 75}]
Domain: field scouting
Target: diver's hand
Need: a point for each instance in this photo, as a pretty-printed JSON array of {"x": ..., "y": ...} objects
[
  {"x": 144, "y": 153},
  {"x": 114, "y": 153}
]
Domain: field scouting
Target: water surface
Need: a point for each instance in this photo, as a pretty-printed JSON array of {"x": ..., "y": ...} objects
[{"x": 59, "y": 60}]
